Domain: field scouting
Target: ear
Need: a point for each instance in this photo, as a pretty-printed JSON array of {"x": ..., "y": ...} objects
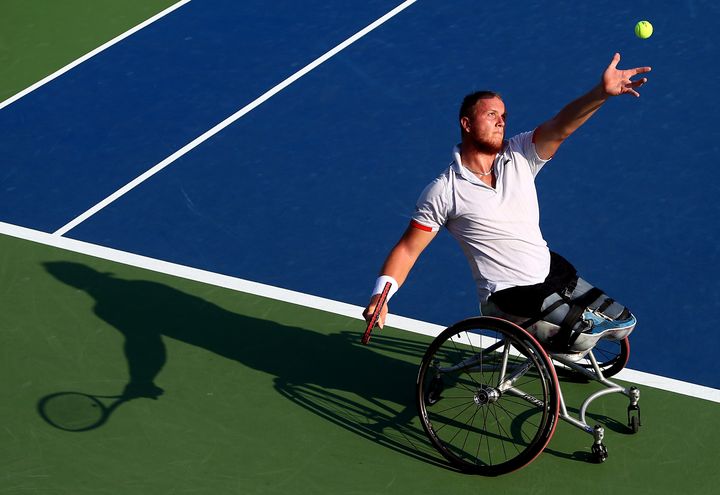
[{"x": 465, "y": 124}]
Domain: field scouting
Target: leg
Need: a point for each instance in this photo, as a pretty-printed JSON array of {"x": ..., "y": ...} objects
[{"x": 572, "y": 318}]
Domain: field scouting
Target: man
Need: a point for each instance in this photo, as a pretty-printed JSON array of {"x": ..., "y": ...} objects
[{"x": 488, "y": 202}]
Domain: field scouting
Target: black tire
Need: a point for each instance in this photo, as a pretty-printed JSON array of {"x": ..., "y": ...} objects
[
  {"x": 611, "y": 355},
  {"x": 634, "y": 424},
  {"x": 599, "y": 453},
  {"x": 480, "y": 424}
]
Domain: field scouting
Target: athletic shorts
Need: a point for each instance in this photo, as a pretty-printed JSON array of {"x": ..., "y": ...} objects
[{"x": 527, "y": 300}]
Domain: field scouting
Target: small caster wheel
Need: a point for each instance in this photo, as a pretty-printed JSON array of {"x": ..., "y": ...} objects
[
  {"x": 434, "y": 391},
  {"x": 634, "y": 418},
  {"x": 599, "y": 453},
  {"x": 634, "y": 424}
]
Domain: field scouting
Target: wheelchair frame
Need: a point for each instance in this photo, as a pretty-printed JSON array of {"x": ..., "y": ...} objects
[
  {"x": 493, "y": 357},
  {"x": 599, "y": 450}
]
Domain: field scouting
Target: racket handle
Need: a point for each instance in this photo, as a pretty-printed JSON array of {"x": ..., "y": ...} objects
[{"x": 376, "y": 313}]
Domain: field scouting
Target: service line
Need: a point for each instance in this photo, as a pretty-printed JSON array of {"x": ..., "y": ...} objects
[{"x": 91, "y": 54}]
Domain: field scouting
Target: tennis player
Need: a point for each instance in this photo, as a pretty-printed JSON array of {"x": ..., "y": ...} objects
[{"x": 488, "y": 202}]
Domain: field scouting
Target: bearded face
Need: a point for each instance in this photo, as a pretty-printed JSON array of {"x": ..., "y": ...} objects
[{"x": 485, "y": 127}]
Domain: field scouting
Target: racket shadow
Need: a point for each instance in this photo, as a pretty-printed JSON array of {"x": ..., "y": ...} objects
[{"x": 76, "y": 411}]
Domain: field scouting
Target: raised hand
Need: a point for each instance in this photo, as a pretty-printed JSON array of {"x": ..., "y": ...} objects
[{"x": 616, "y": 82}]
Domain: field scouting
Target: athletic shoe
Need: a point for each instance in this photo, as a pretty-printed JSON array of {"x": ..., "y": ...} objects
[{"x": 617, "y": 329}]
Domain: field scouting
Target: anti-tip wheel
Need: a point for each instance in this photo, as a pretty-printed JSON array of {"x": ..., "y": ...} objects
[
  {"x": 634, "y": 424},
  {"x": 599, "y": 453}
]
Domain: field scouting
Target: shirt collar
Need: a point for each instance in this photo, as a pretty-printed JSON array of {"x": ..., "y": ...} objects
[{"x": 464, "y": 172}]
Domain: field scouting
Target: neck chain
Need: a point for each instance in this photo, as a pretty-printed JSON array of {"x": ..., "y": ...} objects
[{"x": 482, "y": 174}]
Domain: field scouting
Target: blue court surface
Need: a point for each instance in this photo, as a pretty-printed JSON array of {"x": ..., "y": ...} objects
[{"x": 311, "y": 188}]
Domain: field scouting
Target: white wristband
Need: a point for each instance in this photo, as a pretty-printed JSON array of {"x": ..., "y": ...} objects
[{"x": 380, "y": 285}]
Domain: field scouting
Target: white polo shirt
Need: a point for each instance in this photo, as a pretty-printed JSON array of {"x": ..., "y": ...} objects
[{"x": 497, "y": 229}]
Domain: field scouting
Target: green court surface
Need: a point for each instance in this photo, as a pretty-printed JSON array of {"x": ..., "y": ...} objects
[
  {"x": 38, "y": 37},
  {"x": 262, "y": 396}
]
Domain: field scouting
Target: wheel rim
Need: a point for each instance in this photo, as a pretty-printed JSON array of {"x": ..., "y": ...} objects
[{"x": 497, "y": 408}]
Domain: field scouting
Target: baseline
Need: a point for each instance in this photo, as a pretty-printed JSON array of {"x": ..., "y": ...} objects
[{"x": 306, "y": 300}]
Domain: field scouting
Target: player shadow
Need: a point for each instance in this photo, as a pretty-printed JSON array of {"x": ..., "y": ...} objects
[{"x": 319, "y": 372}]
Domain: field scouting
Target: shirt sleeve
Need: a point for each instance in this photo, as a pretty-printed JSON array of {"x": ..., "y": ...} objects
[
  {"x": 523, "y": 144},
  {"x": 432, "y": 207}
]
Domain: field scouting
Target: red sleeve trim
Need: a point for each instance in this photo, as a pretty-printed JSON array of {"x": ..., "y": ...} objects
[{"x": 420, "y": 226}]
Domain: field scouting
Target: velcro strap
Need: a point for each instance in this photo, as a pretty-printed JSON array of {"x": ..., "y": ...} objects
[
  {"x": 605, "y": 304},
  {"x": 566, "y": 336},
  {"x": 530, "y": 322}
]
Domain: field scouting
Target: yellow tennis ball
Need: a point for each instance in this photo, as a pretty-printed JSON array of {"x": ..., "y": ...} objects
[{"x": 643, "y": 29}]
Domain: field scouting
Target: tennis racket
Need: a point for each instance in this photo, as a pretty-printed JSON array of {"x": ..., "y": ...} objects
[{"x": 376, "y": 313}]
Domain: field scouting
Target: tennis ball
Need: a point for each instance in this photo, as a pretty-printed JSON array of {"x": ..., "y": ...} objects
[{"x": 643, "y": 29}]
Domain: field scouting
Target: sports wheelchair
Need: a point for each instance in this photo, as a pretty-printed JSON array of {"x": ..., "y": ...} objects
[{"x": 489, "y": 398}]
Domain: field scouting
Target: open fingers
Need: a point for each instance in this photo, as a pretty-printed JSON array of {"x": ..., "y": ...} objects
[
  {"x": 640, "y": 70},
  {"x": 629, "y": 87},
  {"x": 614, "y": 61}
]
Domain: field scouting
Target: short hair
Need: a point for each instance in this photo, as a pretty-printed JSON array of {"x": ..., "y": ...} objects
[{"x": 470, "y": 100}]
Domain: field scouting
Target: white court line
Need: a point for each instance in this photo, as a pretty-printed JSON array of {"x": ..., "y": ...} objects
[
  {"x": 91, "y": 54},
  {"x": 305, "y": 300},
  {"x": 222, "y": 125}
]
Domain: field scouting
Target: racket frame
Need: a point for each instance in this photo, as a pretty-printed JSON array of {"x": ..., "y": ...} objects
[{"x": 376, "y": 313}]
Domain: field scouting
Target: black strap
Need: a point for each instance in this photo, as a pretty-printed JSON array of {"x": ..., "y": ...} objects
[
  {"x": 540, "y": 316},
  {"x": 605, "y": 304},
  {"x": 566, "y": 337}
]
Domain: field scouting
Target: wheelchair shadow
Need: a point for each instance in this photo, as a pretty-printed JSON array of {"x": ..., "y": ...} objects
[
  {"x": 609, "y": 423},
  {"x": 394, "y": 425},
  {"x": 354, "y": 386}
]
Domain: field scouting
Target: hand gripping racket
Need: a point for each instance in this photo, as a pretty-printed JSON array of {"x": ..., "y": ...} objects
[{"x": 376, "y": 313}]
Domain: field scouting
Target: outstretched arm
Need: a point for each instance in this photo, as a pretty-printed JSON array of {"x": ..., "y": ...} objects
[
  {"x": 401, "y": 259},
  {"x": 551, "y": 134}
]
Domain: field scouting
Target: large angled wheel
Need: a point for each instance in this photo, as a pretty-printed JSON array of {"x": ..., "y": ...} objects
[
  {"x": 611, "y": 356},
  {"x": 487, "y": 395}
]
